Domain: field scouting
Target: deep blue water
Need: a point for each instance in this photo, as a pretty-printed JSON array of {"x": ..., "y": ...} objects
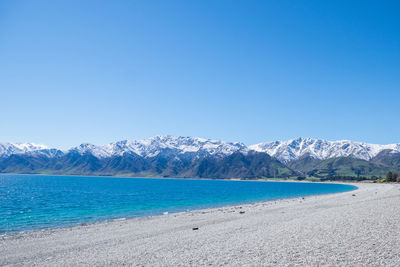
[{"x": 30, "y": 202}]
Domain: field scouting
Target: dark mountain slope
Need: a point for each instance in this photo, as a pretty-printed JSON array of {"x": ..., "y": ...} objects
[
  {"x": 347, "y": 166},
  {"x": 236, "y": 165},
  {"x": 388, "y": 158},
  {"x": 304, "y": 164}
]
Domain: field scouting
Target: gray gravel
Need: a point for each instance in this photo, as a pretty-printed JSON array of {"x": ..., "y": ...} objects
[{"x": 329, "y": 230}]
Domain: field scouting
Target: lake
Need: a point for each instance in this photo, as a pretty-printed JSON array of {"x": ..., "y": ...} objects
[{"x": 32, "y": 202}]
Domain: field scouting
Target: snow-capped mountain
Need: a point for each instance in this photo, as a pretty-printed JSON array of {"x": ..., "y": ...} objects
[
  {"x": 321, "y": 149},
  {"x": 171, "y": 156},
  {"x": 7, "y": 149},
  {"x": 194, "y": 147},
  {"x": 163, "y": 144}
]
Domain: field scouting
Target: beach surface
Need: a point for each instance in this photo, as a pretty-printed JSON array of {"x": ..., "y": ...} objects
[{"x": 357, "y": 228}]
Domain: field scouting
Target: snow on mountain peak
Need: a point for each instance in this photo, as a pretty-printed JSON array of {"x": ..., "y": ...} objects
[
  {"x": 7, "y": 149},
  {"x": 200, "y": 147},
  {"x": 320, "y": 149},
  {"x": 153, "y": 146}
]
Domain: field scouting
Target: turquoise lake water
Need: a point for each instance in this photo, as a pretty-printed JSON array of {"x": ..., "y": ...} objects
[{"x": 31, "y": 202}]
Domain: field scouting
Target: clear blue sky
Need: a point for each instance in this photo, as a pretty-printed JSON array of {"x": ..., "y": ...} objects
[{"x": 250, "y": 71}]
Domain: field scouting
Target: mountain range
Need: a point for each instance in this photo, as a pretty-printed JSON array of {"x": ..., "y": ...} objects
[{"x": 171, "y": 156}]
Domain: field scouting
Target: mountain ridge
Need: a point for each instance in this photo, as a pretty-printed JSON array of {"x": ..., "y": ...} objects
[
  {"x": 176, "y": 156},
  {"x": 283, "y": 150},
  {"x": 321, "y": 149}
]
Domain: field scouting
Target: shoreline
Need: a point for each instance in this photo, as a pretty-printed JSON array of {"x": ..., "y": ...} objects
[{"x": 356, "y": 227}]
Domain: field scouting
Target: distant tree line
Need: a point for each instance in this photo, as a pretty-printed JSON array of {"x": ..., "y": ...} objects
[
  {"x": 344, "y": 178},
  {"x": 392, "y": 177}
]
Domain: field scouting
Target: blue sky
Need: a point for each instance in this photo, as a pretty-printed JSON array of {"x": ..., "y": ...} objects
[{"x": 249, "y": 71}]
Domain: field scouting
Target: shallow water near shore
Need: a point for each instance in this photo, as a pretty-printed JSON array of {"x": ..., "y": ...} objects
[{"x": 32, "y": 202}]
